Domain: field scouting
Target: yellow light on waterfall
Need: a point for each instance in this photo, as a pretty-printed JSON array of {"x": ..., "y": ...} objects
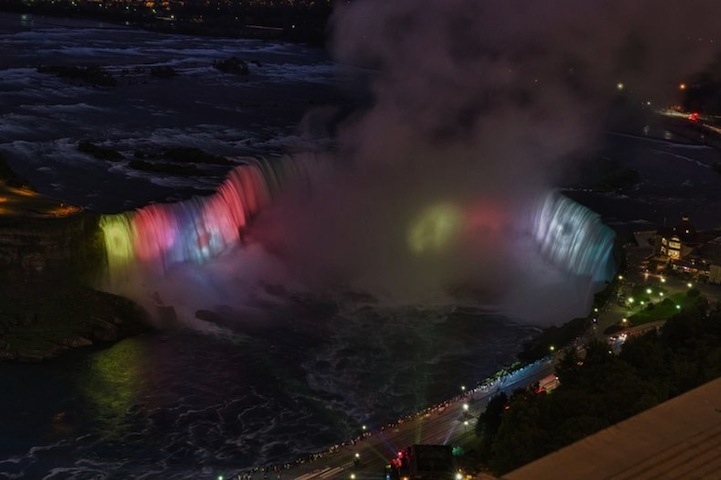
[
  {"x": 435, "y": 228},
  {"x": 118, "y": 239}
]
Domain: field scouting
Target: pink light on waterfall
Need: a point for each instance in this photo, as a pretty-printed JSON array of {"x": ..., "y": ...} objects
[{"x": 154, "y": 231}]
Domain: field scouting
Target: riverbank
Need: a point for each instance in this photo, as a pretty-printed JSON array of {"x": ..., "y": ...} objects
[
  {"x": 40, "y": 319},
  {"x": 288, "y": 24}
]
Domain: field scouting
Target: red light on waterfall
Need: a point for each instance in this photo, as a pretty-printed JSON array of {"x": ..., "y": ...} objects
[{"x": 694, "y": 117}]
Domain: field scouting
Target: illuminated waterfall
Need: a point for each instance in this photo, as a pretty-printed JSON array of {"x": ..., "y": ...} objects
[
  {"x": 158, "y": 236},
  {"x": 197, "y": 229},
  {"x": 573, "y": 237}
]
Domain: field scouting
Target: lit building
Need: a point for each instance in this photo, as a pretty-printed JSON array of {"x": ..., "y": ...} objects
[
  {"x": 684, "y": 249},
  {"x": 677, "y": 242}
]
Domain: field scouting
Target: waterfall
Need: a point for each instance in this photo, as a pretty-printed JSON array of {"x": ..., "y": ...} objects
[
  {"x": 564, "y": 234},
  {"x": 573, "y": 237},
  {"x": 195, "y": 230}
]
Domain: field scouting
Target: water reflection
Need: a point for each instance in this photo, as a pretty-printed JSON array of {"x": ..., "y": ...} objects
[{"x": 113, "y": 384}]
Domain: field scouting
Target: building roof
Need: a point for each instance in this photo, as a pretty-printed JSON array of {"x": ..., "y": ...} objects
[{"x": 678, "y": 439}]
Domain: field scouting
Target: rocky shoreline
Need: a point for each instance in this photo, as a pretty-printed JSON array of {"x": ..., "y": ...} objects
[{"x": 41, "y": 321}]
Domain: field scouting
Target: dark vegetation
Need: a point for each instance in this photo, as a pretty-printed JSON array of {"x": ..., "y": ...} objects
[
  {"x": 11, "y": 178},
  {"x": 41, "y": 319},
  {"x": 46, "y": 306},
  {"x": 603, "y": 389},
  {"x": 93, "y": 75}
]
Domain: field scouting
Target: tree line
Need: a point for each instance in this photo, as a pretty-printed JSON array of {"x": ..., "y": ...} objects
[{"x": 600, "y": 389}]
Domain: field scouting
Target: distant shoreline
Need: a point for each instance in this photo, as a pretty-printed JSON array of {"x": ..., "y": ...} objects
[{"x": 311, "y": 33}]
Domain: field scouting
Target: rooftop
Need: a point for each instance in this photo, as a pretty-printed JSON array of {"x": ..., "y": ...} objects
[{"x": 678, "y": 439}]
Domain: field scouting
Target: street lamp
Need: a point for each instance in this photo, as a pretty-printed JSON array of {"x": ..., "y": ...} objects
[
  {"x": 552, "y": 348},
  {"x": 463, "y": 388},
  {"x": 689, "y": 285}
]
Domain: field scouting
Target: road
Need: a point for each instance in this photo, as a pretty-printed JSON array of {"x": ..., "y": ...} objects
[{"x": 450, "y": 423}]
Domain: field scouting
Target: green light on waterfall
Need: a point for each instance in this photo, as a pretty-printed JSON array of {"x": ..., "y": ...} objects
[
  {"x": 118, "y": 239},
  {"x": 435, "y": 228}
]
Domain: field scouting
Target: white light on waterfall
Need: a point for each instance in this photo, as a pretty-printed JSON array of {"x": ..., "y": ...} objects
[
  {"x": 573, "y": 237},
  {"x": 465, "y": 407}
]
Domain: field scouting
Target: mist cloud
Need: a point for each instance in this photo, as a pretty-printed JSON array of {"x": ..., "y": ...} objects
[
  {"x": 481, "y": 104},
  {"x": 478, "y": 108}
]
